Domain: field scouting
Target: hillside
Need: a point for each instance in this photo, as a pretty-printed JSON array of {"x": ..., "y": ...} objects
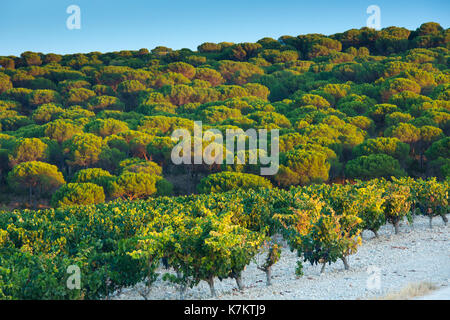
[
  {"x": 360, "y": 104},
  {"x": 97, "y": 194}
]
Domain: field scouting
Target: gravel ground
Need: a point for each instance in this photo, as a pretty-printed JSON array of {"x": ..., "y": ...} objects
[{"x": 415, "y": 255}]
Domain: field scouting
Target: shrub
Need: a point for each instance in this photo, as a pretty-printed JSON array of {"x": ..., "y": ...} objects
[
  {"x": 432, "y": 197},
  {"x": 78, "y": 194},
  {"x": 374, "y": 166},
  {"x": 397, "y": 203},
  {"x": 368, "y": 200},
  {"x": 164, "y": 188},
  {"x": 224, "y": 181},
  {"x": 93, "y": 175},
  {"x": 35, "y": 175},
  {"x": 318, "y": 234},
  {"x": 148, "y": 167},
  {"x": 216, "y": 247},
  {"x": 133, "y": 185}
]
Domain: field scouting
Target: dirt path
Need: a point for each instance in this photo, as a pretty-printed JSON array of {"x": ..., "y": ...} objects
[{"x": 382, "y": 265}]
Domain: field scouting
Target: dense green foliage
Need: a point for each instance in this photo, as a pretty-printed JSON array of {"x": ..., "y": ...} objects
[
  {"x": 360, "y": 104},
  {"x": 34, "y": 175},
  {"x": 226, "y": 181},
  {"x": 78, "y": 194}
]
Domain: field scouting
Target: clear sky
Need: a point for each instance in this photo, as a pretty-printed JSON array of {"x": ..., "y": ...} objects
[{"x": 40, "y": 25}]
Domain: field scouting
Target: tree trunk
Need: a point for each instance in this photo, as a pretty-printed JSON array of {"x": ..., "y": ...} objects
[
  {"x": 238, "y": 279},
  {"x": 344, "y": 260},
  {"x": 445, "y": 219},
  {"x": 323, "y": 267},
  {"x": 30, "y": 194},
  {"x": 269, "y": 276},
  {"x": 375, "y": 232},
  {"x": 431, "y": 222},
  {"x": 211, "y": 286},
  {"x": 413, "y": 211},
  {"x": 182, "y": 291},
  {"x": 182, "y": 287},
  {"x": 397, "y": 227},
  {"x": 421, "y": 160}
]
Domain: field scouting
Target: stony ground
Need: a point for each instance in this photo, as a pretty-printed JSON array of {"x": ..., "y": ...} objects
[{"x": 415, "y": 255}]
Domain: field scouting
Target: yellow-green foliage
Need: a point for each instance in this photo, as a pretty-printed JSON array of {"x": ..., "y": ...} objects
[
  {"x": 78, "y": 194},
  {"x": 201, "y": 236}
]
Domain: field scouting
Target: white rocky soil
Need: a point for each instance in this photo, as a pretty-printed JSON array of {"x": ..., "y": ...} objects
[{"x": 415, "y": 255}]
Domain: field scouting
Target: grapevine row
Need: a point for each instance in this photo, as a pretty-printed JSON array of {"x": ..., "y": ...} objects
[{"x": 200, "y": 237}]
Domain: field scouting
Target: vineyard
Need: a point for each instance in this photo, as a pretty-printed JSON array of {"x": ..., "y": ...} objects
[{"x": 200, "y": 237}]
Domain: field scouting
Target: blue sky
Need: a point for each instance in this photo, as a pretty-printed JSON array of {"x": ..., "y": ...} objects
[{"x": 130, "y": 25}]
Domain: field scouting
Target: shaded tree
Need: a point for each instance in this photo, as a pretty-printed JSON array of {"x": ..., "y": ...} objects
[
  {"x": 227, "y": 180},
  {"x": 28, "y": 149},
  {"x": 61, "y": 130},
  {"x": 374, "y": 166},
  {"x": 303, "y": 167},
  {"x": 84, "y": 149},
  {"x": 133, "y": 185},
  {"x": 35, "y": 176},
  {"x": 75, "y": 194}
]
